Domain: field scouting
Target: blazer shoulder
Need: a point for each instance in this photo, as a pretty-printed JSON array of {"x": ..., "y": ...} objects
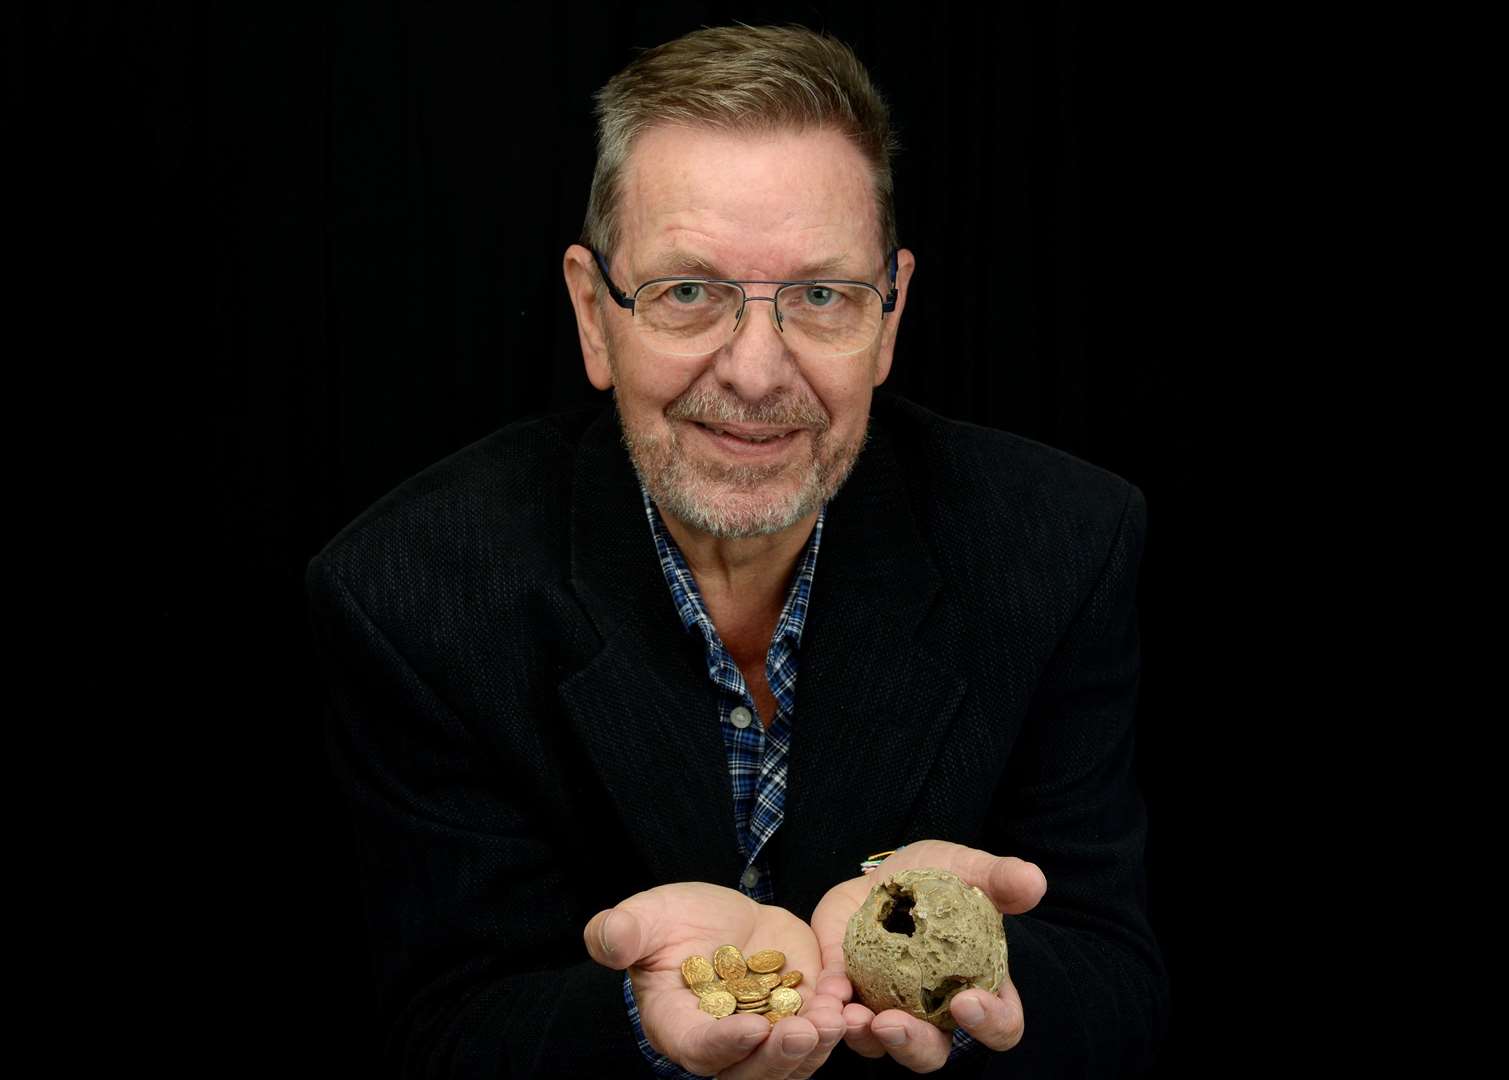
[
  {"x": 978, "y": 469},
  {"x": 1005, "y": 517},
  {"x": 506, "y": 495}
]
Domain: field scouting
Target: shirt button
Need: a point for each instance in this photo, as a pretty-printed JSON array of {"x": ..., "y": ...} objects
[
  {"x": 741, "y": 717},
  {"x": 751, "y": 876}
]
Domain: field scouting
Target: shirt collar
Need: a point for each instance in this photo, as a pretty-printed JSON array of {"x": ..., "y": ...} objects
[{"x": 688, "y": 598}]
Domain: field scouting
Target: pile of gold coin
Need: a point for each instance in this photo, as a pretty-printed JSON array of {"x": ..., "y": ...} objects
[{"x": 733, "y": 984}]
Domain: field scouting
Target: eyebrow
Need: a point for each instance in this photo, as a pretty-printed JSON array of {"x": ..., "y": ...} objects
[{"x": 670, "y": 263}]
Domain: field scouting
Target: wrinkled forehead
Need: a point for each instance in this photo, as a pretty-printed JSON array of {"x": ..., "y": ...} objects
[{"x": 763, "y": 203}]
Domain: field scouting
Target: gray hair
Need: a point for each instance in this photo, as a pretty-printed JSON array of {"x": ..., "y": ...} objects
[{"x": 739, "y": 78}]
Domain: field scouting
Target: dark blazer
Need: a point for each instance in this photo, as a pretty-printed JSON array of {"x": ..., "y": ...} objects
[{"x": 524, "y": 731}]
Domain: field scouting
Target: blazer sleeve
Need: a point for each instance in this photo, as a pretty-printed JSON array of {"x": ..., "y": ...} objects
[
  {"x": 480, "y": 965},
  {"x": 1091, "y": 977}
]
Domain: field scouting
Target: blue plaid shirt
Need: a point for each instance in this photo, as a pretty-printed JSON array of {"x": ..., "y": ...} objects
[{"x": 756, "y": 757}]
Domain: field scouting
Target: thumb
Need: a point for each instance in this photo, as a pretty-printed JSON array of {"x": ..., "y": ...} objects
[
  {"x": 615, "y": 938},
  {"x": 829, "y": 921},
  {"x": 1014, "y": 885},
  {"x": 834, "y": 978}
]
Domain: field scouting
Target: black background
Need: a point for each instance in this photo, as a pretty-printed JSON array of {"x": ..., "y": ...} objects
[{"x": 321, "y": 250}]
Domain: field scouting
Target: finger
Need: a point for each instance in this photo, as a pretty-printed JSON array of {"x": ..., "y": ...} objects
[
  {"x": 782, "y": 1058},
  {"x": 835, "y": 984},
  {"x": 826, "y": 1014},
  {"x": 993, "y": 1019},
  {"x": 615, "y": 938},
  {"x": 857, "y": 1033},
  {"x": 1013, "y": 885},
  {"x": 830, "y": 1030},
  {"x": 914, "y": 1043},
  {"x": 719, "y": 1047},
  {"x": 827, "y": 1017},
  {"x": 822, "y": 1003},
  {"x": 785, "y": 1052}
]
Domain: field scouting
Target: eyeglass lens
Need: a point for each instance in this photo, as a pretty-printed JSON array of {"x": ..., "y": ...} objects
[{"x": 691, "y": 318}]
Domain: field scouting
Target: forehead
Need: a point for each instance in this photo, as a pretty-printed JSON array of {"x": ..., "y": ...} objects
[{"x": 749, "y": 204}]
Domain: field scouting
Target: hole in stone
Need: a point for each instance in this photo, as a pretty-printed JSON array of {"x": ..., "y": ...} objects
[
  {"x": 895, "y": 911},
  {"x": 935, "y": 997}
]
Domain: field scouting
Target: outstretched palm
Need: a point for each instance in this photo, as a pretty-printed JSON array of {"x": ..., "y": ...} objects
[
  {"x": 672, "y": 922},
  {"x": 695, "y": 919}
]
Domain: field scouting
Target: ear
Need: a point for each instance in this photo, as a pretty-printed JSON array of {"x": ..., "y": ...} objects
[
  {"x": 581, "y": 273},
  {"x": 905, "y": 264}
]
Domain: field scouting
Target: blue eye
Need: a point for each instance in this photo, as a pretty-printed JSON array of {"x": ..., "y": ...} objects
[
  {"x": 687, "y": 292},
  {"x": 820, "y": 295}
]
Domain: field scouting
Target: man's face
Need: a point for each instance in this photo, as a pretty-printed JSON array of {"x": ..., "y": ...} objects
[{"x": 748, "y": 440}]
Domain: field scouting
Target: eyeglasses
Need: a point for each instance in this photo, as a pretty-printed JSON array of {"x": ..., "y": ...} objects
[{"x": 696, "y": 316}]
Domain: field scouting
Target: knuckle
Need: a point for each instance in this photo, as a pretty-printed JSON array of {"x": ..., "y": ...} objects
[
  {"x": 692, "y": 1056},
  {"x": 814, "y": 1062},
  {"x": 828, "y": 1034},
  {"x": 864, "y": 1047},
  {"x": 1007, "y": 1031},
  {"x": 1014, "y": 1028},
  {"x": 925, "y": 1052},
  {"x": 924, "y": 1063}
]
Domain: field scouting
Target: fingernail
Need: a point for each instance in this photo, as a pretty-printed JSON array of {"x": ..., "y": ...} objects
[
  {"x": 969, "y": 1013},
  {"x": 754, "y": 1037},
  {"x": 798, "y": 1043},
  {"x": 602, "y": 933},
  {"x": 891, "y": 1036}
]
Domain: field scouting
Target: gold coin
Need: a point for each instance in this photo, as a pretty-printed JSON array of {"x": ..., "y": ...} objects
[
  {"x": 702, "y": 989},
  {"x": 748, "y": 988},
  {"x": 696, "y": 969},
  {"x": 729, "y": 963},
  {"x": 718, "y": 1004},
  {"x": 785, "y": 999},
  {"x": 791, "y": 978},
  {"x": 768, "y": 981},
  {"x": 775, "y": 1016},
  {"x": 767, "y": 960},
  {"x": 756, "y": 1007}
]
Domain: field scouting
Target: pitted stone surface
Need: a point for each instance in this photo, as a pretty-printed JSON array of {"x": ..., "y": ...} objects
[{"x": 920, "y": 937}]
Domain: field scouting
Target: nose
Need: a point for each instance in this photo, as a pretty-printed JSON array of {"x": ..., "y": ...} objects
[{"x": 756, "y": 363}]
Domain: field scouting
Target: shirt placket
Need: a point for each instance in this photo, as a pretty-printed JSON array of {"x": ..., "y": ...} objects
[
  {"x": 768, "y": 810},
  {"x": 756, "y": 756},
  {"x": 745, "y": 741}
]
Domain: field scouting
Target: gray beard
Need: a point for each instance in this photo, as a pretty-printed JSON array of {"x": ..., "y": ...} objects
[{"x": 728, "y": 501}]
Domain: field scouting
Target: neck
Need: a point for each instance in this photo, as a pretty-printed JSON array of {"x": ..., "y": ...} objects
[
  {"x": 743, "y": 585},
  {"x": 748, "y": 572}
]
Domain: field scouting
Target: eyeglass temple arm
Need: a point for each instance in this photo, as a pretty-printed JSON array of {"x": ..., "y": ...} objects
[
  {"x": 622, "y": 299},
  {"x": 890, "y": 299}
]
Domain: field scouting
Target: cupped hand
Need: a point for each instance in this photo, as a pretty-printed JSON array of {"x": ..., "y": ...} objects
[
  {"x": 652, "y": 932},
  {"x": 996, "y": 1020}
]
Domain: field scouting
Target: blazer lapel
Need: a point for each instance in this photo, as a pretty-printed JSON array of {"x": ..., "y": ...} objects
[
  {"x": 643, "y": 706},
  {"x": 873, "y": 702}
]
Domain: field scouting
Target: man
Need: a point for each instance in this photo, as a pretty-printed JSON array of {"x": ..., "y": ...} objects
[{"x": 657, "y": 679}]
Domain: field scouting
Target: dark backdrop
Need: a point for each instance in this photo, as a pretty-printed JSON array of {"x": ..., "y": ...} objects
[{"x": 328, "y": 238}]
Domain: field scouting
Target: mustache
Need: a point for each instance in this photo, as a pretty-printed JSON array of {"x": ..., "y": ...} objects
[{"x": 781, "y": 410}]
